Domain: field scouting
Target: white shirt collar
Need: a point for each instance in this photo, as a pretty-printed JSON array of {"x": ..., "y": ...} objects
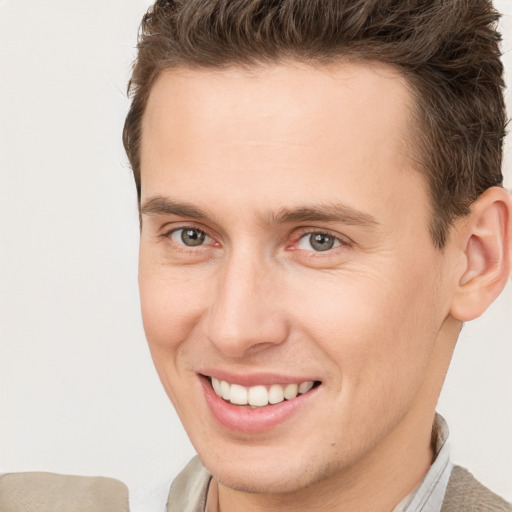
[{"x": 429, "y": 494}]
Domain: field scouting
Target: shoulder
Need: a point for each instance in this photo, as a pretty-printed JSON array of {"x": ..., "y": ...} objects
[
  {"x": 50, "y": 492},
  {"x": 466, "y": 494},
  {"x": 189, "y": 489}
]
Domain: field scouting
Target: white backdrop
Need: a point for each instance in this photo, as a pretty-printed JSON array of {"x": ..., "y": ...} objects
[{"x": 78, "y": 393}]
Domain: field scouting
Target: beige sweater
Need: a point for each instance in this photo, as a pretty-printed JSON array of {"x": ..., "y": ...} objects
[{"x": 466, "y": 493}]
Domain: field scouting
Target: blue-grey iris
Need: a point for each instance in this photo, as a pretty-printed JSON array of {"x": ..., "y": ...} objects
[
  {"x": 321, "y": 242},
  {"x": 192, "y": 237}
]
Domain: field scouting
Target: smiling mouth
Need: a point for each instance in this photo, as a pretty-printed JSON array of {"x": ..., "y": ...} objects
[{"x": 260, "y": 396}]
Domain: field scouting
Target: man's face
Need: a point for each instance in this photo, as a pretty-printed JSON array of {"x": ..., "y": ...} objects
[{"x": 285, "y": 241}]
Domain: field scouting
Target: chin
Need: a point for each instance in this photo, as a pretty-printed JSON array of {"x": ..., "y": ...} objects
[
  {"x": 260, "y": 483},
  {"x": 272, "y": 476}
]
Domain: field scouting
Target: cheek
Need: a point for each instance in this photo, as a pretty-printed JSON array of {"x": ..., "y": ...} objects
[
  {"x": 170, "y": 305},
  {"x": 375, "y": 329},
  {"x": 374, "y": 338}
]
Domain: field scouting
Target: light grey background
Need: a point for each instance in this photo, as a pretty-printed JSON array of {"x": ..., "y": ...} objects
[{"x": 78, "y": 393}]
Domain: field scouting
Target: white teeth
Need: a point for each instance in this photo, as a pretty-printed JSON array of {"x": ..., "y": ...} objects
[
  {"x": 305, "y": 387},
  {"x": 290, "y": 391},
  {"x": 224, "y": 389},
  {"x": 238, "y": 395},
  {"x": 275, "y": 394},
  {"x": 258, "y": 396},
  {"x": 216, "y": 386}
]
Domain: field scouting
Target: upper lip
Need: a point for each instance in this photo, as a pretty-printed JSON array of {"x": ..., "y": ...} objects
[{"x": 257, "y": 378}]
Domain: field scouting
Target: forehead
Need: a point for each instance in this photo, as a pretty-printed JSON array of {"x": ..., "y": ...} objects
[
  {"x": 259, "y": 99},
  {"x": 286, "y": 128}
]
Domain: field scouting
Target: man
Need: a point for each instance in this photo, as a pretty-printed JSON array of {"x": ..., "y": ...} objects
[{"x": 321, "y": 209}]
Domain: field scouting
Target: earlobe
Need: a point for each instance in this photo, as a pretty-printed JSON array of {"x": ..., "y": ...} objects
[{"x": 487, "y": 248}]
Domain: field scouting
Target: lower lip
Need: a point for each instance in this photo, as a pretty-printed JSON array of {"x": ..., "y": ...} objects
[{"x": 252, "y": 421}]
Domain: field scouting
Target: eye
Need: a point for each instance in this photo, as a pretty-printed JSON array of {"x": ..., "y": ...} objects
[
  {"x": 191, "y": 237},
  {"x": 319, "y": 242}
]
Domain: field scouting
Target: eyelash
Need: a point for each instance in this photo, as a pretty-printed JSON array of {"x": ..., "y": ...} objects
[{"x": 342, "y": 242}]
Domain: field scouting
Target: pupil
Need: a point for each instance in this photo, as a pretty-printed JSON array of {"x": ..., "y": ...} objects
[
  {"x": 192, "y": 237},
  {"x": 321, "y": 242}
]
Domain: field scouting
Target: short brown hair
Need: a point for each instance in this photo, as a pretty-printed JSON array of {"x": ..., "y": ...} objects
[{"x": 447, "y": 49}]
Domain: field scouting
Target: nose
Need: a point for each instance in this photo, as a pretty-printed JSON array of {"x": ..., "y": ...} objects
[{"x": 245, "y": 315}]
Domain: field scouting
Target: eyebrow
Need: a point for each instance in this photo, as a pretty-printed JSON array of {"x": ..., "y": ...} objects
[
  {"x": 159, "y": 205},
  {"x": 338, "y": 212},
  {"x": 325, "y": 213}
]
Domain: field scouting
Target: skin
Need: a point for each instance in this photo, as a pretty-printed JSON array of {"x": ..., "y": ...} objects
[{"x": 371, "y": 318}]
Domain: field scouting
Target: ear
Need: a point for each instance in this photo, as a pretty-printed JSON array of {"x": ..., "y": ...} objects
[{"x": 486, "y": 245}]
